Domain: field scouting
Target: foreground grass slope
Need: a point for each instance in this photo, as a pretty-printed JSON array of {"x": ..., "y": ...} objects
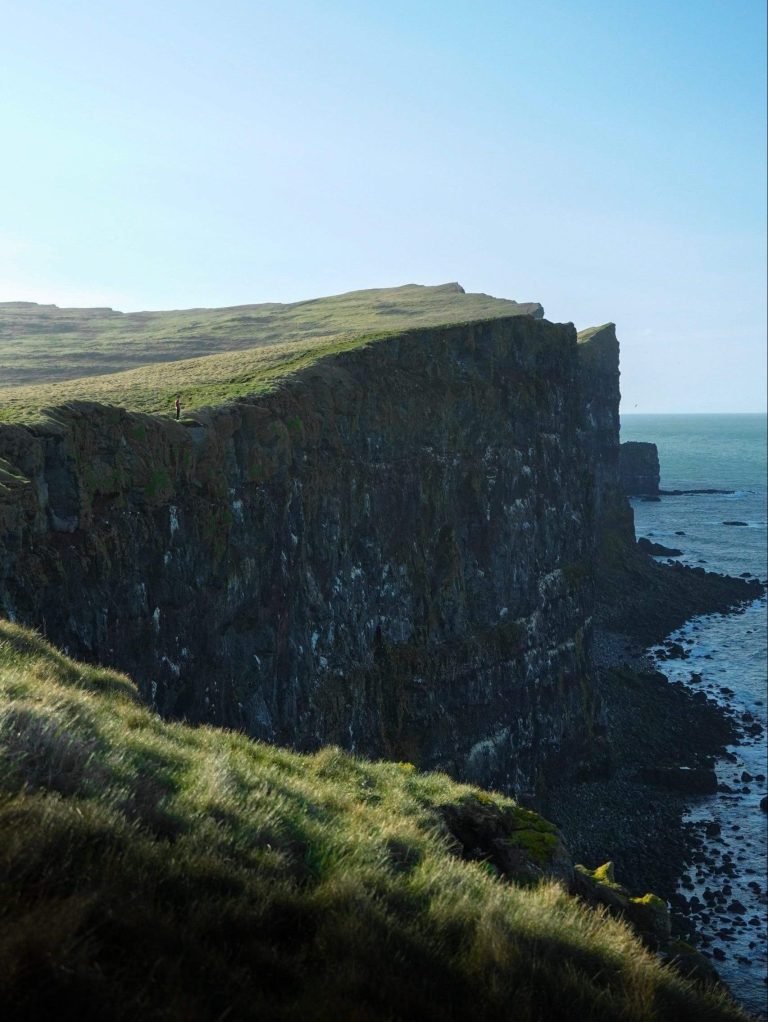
[
  {"x": 152, "y": 870},
  {"x": 45, "y": 344}
]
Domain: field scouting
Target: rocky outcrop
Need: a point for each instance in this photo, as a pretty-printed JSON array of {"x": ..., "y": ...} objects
[
  {"x": 657, "y": 549},
  {"x": 639, "y": 468},
  {"x": 392, "y": 551},
  {"x": 647, "y": 914},
  {"x": 599, "y": 385}
]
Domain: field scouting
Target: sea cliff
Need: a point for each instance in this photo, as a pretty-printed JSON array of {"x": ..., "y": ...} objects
[
  {"x": 414, "y": 547},
  {"x": 393, "y": 550},
  {"x": 639, "y": 468}
]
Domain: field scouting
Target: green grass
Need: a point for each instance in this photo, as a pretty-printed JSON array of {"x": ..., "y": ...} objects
[
  {"x": 45, "y": 344},
  {"x": 153, "y": 870},
  {"x": 200, "y": 382},
  {"x": 587, "y": 334}
]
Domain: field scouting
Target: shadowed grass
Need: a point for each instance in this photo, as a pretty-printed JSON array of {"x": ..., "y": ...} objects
[{"x": 152, "y": 870}]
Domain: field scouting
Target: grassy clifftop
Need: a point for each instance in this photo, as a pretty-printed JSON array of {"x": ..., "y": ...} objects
[
  {"x": 152, "y": 870},
  {"x": 43, "y": 343},
  {"x": 200, "y": 382},
  {"x": 49, "y": 356}
]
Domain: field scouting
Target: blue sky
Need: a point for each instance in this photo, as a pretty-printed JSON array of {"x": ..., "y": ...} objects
[{"x": 606, "y": 159}]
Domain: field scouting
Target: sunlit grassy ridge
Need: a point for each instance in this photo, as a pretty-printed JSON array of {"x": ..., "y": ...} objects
[
  {"x": 254, "y": 345},
  {"x": 42, "y": 343},
  {"x": 152, "y": 870},
  {"x": 200, "y": 382}
]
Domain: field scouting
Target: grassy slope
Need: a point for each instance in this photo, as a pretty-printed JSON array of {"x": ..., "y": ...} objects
[
  {"x": 152, "y": 870},
  {"x": 200, "y": 382},
  {"x": 42, "y": 343},
  {"x": 589, "y": 332},
  {"x": 49, "y": 356}
]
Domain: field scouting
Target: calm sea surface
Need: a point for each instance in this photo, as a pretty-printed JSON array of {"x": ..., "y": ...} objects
[{"x": 730, "y": 654}]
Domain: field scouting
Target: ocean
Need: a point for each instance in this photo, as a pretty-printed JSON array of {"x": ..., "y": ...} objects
[{"x": 727, "y": 892}]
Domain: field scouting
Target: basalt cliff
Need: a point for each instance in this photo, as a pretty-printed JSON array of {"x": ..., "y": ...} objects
[
  {"x": 639, "y": 468},
  {"x": 392, "y": 551}
]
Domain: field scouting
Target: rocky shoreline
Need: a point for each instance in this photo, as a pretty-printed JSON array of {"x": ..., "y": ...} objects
[
  {"x": 619, "y": 814},
  {"x": 621, "y": 811},
  {"x": 646, "y": 600},
  {"x": 663, "y": 739}
]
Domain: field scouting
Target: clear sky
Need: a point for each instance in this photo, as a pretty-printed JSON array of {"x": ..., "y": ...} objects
[{"x": 603, "y": 157}]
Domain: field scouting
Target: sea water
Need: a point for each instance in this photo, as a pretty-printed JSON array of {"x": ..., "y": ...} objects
[{"x": 726, "y": 452}]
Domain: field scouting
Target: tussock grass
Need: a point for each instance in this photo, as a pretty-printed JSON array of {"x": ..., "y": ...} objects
[{"x": 152, "y": 870}]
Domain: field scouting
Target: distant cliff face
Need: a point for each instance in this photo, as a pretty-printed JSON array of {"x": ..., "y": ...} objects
[
  {"x": 599, "y": 390},
  {"x": 392, "y": 552},
  {"x": 639, "y": 468}
]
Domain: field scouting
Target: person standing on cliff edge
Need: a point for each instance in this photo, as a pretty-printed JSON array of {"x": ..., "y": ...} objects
[{"x": 177, "y": 405}]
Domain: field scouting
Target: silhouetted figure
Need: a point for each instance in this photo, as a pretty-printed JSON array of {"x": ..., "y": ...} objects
[{"x": 178, "y": 406}]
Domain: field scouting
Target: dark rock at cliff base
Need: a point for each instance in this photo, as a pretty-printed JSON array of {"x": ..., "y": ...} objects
[
  {"x": 622, "y": 818},
  {"x": 735, "y": 523},
  {"x": 764, "y": 803},
  {"x": 657, "y": 549},
  {"x": 690, "y": 780},
  {"x": 647, "y": 600},
  {"x": 673, "y": 651},
  {"x": 639, "y": 468}
]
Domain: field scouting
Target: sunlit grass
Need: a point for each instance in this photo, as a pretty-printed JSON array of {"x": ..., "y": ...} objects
[
  {"x": 41, "y": 343},
  {"x": 200, "y": 382},
  {"x": 154, "y": 870}
]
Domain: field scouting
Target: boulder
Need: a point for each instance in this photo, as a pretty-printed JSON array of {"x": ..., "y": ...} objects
[
  {"x": 648, "y": 915},
  {"x": 657, "y": 549}
]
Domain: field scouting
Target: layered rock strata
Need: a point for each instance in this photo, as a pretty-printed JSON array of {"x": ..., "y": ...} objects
[{"x": 392, "y": 551}]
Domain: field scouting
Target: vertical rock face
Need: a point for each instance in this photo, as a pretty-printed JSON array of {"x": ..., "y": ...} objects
[
  {"x": 639, "y": 468},
  {"x": 392, "y": 552},
  {"x": 599, "y": 387}
]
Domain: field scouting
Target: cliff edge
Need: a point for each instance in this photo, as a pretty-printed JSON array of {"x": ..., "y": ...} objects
[{"x": 391, "y": 551}]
